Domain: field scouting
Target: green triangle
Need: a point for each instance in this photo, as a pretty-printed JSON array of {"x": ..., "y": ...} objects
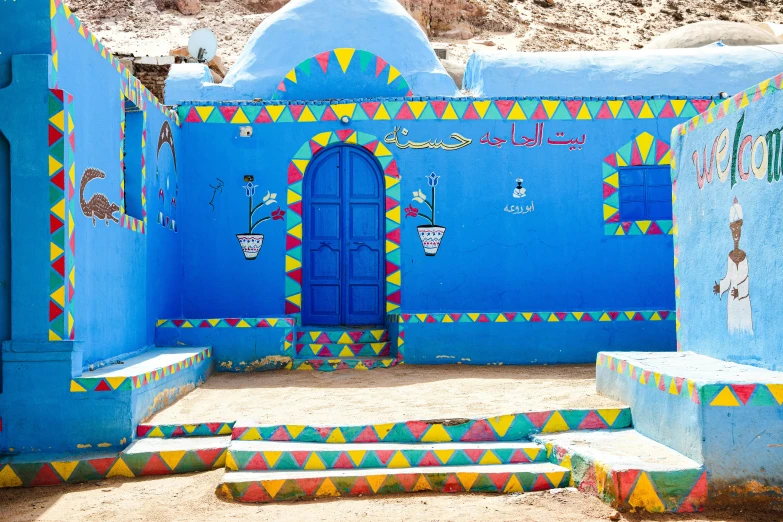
[
  {"x": 529, "y": 107},
  {"x": 344, "y": 484},
  {"x": 84, "y": 472},
  {"x": 304, "y": 152},
  {"x": 359, "y": 114},
  {"x": 216, "y": 117},
  {"x": 613, "y": 200},
  {"x": 573, "y": 417},
  {"x": 392, "y": 108},
  {"x": 526, "y": 480},
  {"x": 241, "y": 458},
  {"x": 370, "y": 460},
  {"x": 304, "y": 67},
  {"x": 608, "y": 170},
  {"x": 562, "y": 113},
  {"x": 251, "y": 111},
  {"x": 329, "y": 457},
  {"x": 625, "y": 112},
  {"x": 136, "y": 461},
  {"x": 465, "y": 319},
  {"x": 292, "y": 219},
  {"x": 363, "y": 138},
  {"x": 289, "y": 491},
  {"x": 413, "y": 456},
  {"x": 484, "y": 484},
  {"x": 689, "y": 111},
  {"x": 58, "y": 238},
  {"x": 459, "y": 458},
  {"x": 657, "y": 106},
  {"x": 55, "y": 105},
  {"x": 26, "y": 471},
  {"x": 428, "y": 113},
  {"x": 318, "y": 111},
  {"x": 437, "y": 480},
  {"x": 364, "y": 59},
  {"x": 493, "y": 113},
  {"x": 394, "y": 257},
  {"x": 460, "y": 107},
  {"x": 390, "y": 486},
  {"x": 625, "y": 152},
  {"x": 594, "y": 107},
  {"x": 292, "y": 287},
  {"x": 520, "y": 428},
  {"x": 55, "y": 281},
  {"x": 762, "y": 397},
  {"x": 504, "y": 454},
  {"x": 400, "y": 432},
  {"x": 55, "y": 195},
  {"x": 394, "y": 192},
  {"x": 287, "y": 462},
  {"x": 58, "y": 151},
  {"x": 191, "y": 462},
  {"x": 286, "y": 116},
  {"x": 457, "y": 431}
]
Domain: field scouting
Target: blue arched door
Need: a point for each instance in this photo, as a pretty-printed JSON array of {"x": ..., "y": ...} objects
[{"x": 343, "y": 243}]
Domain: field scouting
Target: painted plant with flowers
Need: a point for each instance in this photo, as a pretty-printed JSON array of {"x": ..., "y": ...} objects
[
  {"x": 251, "y": 242},
  {"x": 431, "y": 235}
]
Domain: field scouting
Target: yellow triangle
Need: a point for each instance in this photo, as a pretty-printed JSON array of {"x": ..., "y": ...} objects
[
  {"x": 613, "y": 180},
  {"x": 584, "y": 113},
  {"x": 291, "y": 75},
  {"x": 307, "y": 116},
  {"x": 516, "y": 113},
  {"x": 646, "y": 112},
  {"x": 417, "y": 107},
  {"x": 474, "y": 317},
  {"x": 555, "y": 477},
  {"x": 345, "y": 339},
  {"x": 8, "y": 478},
  {"x": 609, "y": 211},
  {"x": 666, "y": 160},
  {"x": 436, "y": 433},
  {"x": 116, "y": 382},
  {"x": 645, "y": 141},
  {"x": 336, "y": 437},
  {"x": 644, "y": 496},
  {"x": 550, "y": 106},
  {"x": 356, "y": 456},
  {"x": 64, "y": 469},
  {"x": 447, "y": 319},
  {"x": 501, "y": 319},
  {"x": 609, "y": 415},
  {"x": 204, "y": 112},
  {"x": 344, "y": 109},
  {"x": 555, "y": 423},
  {"x": 75, "y": 388},
  {"x": 59, "y": 296},
  {"x": 296, "y": 231},
  {"x": 615, "y": 106},
  {"x": 327, "y": 489},
  {"x": 275, "y": 111},
  {"x": 527, "y": 316},
  {"x": 673, "y": 388},
  {"x": 240, "y": 117},
  {"x": 54, "y": 166},
  {"x": 59, "y": 120},
  {"x": 777, "y": 392},
  {"x": 449, "y": 113},
  {"x": 323, "y": 138},
  {"x": 395, "y": 278},
  {"x": 172, "y": 458},
  {"x": 291, "y": 263},
  {"x": 443, "y": 455},
  {"x": 231, "y": 464},
  {"x": 383, "y": 429},
  {"x": 381, "y": 151},
  {"x": 482, "y": 107},
  {"x": 678, "y": 106},
  {"x": 467, "y": 479},
  {"x": 393, "y": 74},
  {"x": 272, "y": 457},
  {"x": 391, "y": 247},
  {"x": 421, "y": 317},
  {"x": 314, "y": 462},
  {"x": 295, "y": 430},
  {"x": 398, "y": 461},
  {"x": 390, "y": 181},
  {"x": 381, "y": 114},
  {"x": 375, "y": 481},
  {"x": 501, "y": 424},
  {"x": 394, "y": 214},
  {"x": 346, "y": 352},
  {"x": 302, "y": 166},
  {"x": 489, "y": 459},
  {"x": 553, "y": 319},
  {"x": 120, "y": 469},
  {"x": 54, "y": 253},
  {"x": 242, "y": 324},
  {"x": 421, "y": 484},
  {"x": 620, "y": 160},
  {"x": 513, "y": 486},
  {"x": 725, "y": 398},
  {"x": 156, "y": 433},
  {"x": 344, "y": 57},
  {"x": 578, "y": 315},
  {"x": 273, "y": 486}
]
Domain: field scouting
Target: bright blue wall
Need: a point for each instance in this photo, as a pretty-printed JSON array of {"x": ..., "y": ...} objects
[
  {"x": 114, "y": 265},
  {"x": 5, "y": 241},
  {"x": 26, "y": 30},
  {"x": 705, "y": 238}
]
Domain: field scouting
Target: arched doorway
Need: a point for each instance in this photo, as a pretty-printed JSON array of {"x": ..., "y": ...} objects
[{"x": 343, "y": 238}]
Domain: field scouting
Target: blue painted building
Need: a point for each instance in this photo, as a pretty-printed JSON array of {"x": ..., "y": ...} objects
[{"x": 351, "y": 210}]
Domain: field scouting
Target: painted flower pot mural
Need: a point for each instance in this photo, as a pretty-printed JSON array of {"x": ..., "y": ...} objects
[
  {"x": 431, "y": 235},
  {"x": 251, "y": 243}
]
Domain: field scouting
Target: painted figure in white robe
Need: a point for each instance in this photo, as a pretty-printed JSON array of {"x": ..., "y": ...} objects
[{"x": 739, "y": 312}]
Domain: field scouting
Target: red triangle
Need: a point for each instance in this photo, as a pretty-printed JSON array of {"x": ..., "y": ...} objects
[
  {"x": 291, "y": 308},
  {"x": 417, "y": 428},
  {"x": 72, "y": 139},
  {"x": 58, "y": 93},
  {"x": 46, "y": 477},
  {"x": 428, "y": 460},
  {"x": 367, "y": 435},
  {"x": 483, "y": 319},
  {"x": 392, "y": 170},
  {"x": 228, "y": 111},
  {"x": 604, "y": 113},
  {"x": 592, "y": 422},
  {"x": 380, "y": 65},
  {"x": 541, "y": 483},
  {"x": 155, "y": 466},
  {"x": 193, "y": 116},
  {"x": 300, "y": 457},
  {"x": 178, "y": 432},
  {"x": 309, "y": 485},
  {"x": 407, "y": 480},
  {"x": 370, "y": 108},
  {"x": 204, "y": 324},
  {"x": 54, "y": 135},
  {"x": 697, "y": 498},
  {"x": 536, "y": 319},
  {"x": 519, "y": 457},
  {"x": 384, "y": 455},
  {"x": 452, "y": 485},
  {"x": 608, "y": 190},
  {"x": 296, "y": 111},
  {"x": 405, "y": 113},
  {"x": 263, "y": 116},
  {"x": 668, "y": 111},
  {"x": 636, "y": 106},
  {"x": 102, "y": 466},
  {"x": 232, "y": 322},
  {"x": 209, "y": 456},
  {"x": 344, "y": 134},
  {"x": 474, "y": 454},
  {"x": 391, "y": 267},
  {"x": 703, "y": 105},
  {"x": 323, "y": 60},
  {"x": 653, "y": 230},
  {"x": 54, "y": 224},
  {"x": 504, "y": 106},
  {"x": 499, "y": 480},
  {"x": 361, "y": 487},
  {"x": 372, "y": 146},
  {"x": 343, "y": 462},
  {"x": 538, "y": 418},
  {"x": 323, "y": 339},
  {"x": 573, "y": 107},
  {"x": 439, "y": 107},
  {"x": 143, "y": 429},
  {"x": 329, "y": 115},
  {"x": 280, "y": 434},
  {"x": 355, "y": 336},
  {"x": 102, "y": 386},
  {"x": 509, "y": 315},
  {"x": 540, "y": 113},
  {"x": 636, "y": 158},
  {"x": 455, "y": 317},
  {"x": 561, "y": 315},
  {"x": 743, "y": 391},
  {"x": 625, "y": 481},
  {"x": 471, "y": 113},
  {"x": 256, "y": 463},
  {"x": 480, "y": 431},
  {"x": 255, "y": 493},
  {"x": 661, "y": 149},
  {"x": 59, "y": 266},
  {"x": 394, "y": 298},
  {"x": 587, "y": 318}
]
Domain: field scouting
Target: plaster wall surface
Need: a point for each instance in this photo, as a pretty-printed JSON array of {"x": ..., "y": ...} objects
[{"x": 677, "y": 72}]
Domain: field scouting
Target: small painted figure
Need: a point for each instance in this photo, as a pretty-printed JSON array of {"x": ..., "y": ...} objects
[
  {"x": 520, "y": 192},
  {"x": 739, "y": 312},
  {"x": 99, "y": 205}
]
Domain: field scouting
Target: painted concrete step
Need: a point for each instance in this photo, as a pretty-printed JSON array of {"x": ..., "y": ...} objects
[
  {"x": 153, "y": 456},
  {"x": 330, "y": 364},
  {"x": 173, "y": 431},
  {"x": 281, "y": 456},
  {"x": 629, "y": 471},
  {"x": 276, "y": 486},
  {"x": 379, "y": 349},
  {"x": 512, "y": 427},
  {"x": 342, "y": 335}
]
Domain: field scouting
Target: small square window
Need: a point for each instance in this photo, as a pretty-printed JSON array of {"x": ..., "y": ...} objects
[{"x": 645, "y": 194}]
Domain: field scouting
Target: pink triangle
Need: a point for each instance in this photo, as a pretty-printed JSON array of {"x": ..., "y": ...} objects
[
  {"x": 654, "y": 229},
  {"x": 608, "y": 190},
  {"x": 636, "y": 106},
  {"x": 519, "y": 457},
  {"x": 428, "y": 460},
  {"x": 743, "y": 391},
  {"x": 300, "y": 457},
  {"x": 329, "y": 115},
  {"x": 604, "y": 113},
  {"x": 703, "y": 105},
  {"x": 636, "y": 157},
  {"x": 228, "y": 112},
  {"x": 296, "y": 111},
  {"x": 480, "y": 431},
  {"x": 573, "y": 107},
  {"x": 474, "y": 454},
  {"x": 439, "y": 107},
  {"x": 471, "y": 113},
  {"x": 344, "y": 134},
  {"x": 417, "y": 428},
  {"x": 668, "y": 111},
  {"x": 367, "y": 435},
  {"x": 343, "y": 462},
  {"x": 263, "y": 116},
  {"x": 380, "y": 65},
  {"x": 661, "y": 149},
  {"x": 538, "y": 418},
  {"x": 394, "y": 235},
  {"x": 540, "y": 113},
  {"x": 504, "y": 106},
  {"x": 405, "y": 113},
  {"x": 280, "y": 434},
  {"x": 370, "y": 108},
  {"x": 384, "y": 455},
  {"x": 625, "y": 482},
  {"x": 323, "y": 60},
  {"x": 193, "y": 116},
  {"x": 592, "y": 422}
]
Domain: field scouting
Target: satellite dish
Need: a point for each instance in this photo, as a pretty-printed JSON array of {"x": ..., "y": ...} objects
[{"x": 202, "y": 45}]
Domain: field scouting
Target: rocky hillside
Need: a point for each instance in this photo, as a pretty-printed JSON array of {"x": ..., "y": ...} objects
[{"x": 154, "y": 27}]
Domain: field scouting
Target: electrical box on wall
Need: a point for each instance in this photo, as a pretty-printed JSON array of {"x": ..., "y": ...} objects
[{"x": 245, "y": 132}]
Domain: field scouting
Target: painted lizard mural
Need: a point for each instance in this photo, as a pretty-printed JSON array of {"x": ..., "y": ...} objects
[{"x": 99, "y": 205}]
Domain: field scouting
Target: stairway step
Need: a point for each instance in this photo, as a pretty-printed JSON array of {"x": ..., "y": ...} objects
[
  {"x": 379, "y": 349},
  {"x": 342, "y": 335},
  {"x": 276, "y": 486},
  {"x": 153, "y": 456},
  {"x": 282, "y": 456},
  {"x": 330, "y": 364}
]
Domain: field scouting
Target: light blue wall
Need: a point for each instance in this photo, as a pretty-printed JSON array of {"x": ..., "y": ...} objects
[
  {"x": 676, "y": 72},
  {"x": 26, "y": 30},
  {"x": 705, "y": 239}
]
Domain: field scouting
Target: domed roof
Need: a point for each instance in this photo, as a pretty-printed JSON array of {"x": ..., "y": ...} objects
[
  {"x": 305, "y": 29},
  {"x": 711, "y": 31}
]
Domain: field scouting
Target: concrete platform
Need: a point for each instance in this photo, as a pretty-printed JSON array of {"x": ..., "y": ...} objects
[
  {"x": 275, "y": 486},
  {"x": 629, "y": 470}
]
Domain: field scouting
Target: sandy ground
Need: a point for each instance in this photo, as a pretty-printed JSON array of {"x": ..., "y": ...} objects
[
  {"x": 137, "y": 27},
  {"x": 191, "y": 498},
  {"x": 395, "y": 394}
]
